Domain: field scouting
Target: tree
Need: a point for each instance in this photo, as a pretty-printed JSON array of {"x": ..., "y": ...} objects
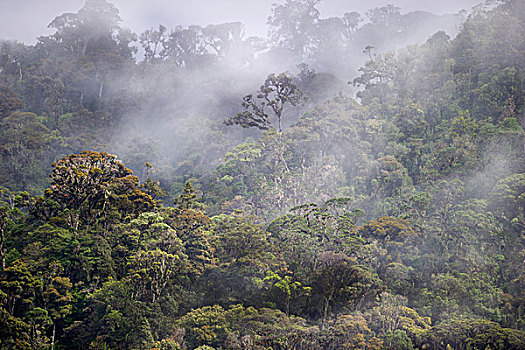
[
  {"x": 188, "y": 199},
  {"x": 333, "y": 38},
  {"x": 155, "y": 44},
  {"x": 240, "y": 247},
  {"x": 398, "y": 340},
  {"x": 339, "y": 279},
  {"x": 389, "y": 15},
  {"x": 151, "y": 271},
  {"x": 14, "y": 333},
  {"x": 330, "y": 222},
  {"x": 244, "y": 328},
  {"x": 152, "y": 187},
  {"x": 239, "y": 240},
  {"x": 57, "y": 296},
  {"x": 293, "y": 25},
  {"x": 148, "y": 231},
  {"x": 205, "y": 326},
  {"x": 9, "y": 101},
  {"x": 274, "y": 94},
  {"x": 475, "y": 334},
  {"x": 96, "y": 21},
  {"x": 18, "y": 288},
  {"x": 91, "y": 49},
  {"x": 508, "y": 199},
  {"x": 348, "y": 332},
  {"x": 290, "y": 236},
  {"x": 88, "y": 185},
  {"x": 352, "y": 20},
  {"x": 392, "y": 315},
  {"x": 115, "y": 318},
  {"x": 4, "y": 220},
  {"x": 22, "y": 145},
  {"x": 184, "y": 45},
  {"x": 193, "y": 45},
  {"x": 221, "y": 38},
  {"x": 284, "y": 287},
  {"x": 192, "y": 226}
]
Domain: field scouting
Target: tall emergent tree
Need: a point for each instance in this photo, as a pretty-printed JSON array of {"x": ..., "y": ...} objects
[
  {"x": 294, "y": 24},
  {"x": 269, "y": 104},
  {"x": 274, "y": 94},
  {"x": 92, "y": 28}
]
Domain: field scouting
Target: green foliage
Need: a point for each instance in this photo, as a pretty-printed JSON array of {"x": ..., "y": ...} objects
[
  {"x": 508, "y": 198},
  {"x": 341, "y": 282},
  {"x": 477, "y": 334},
  {"x": 349, "y": 332},
  {"x": 22, "y": 146},
  {"x": 150, "y": 272},
  {"x": 397, "y": 340},
  {"x": 393, "y": 223},
  {"x": 205, "y": 326},
  {"x": 284, "y": 289},
  {"x": 9, "y": 102},
  {"x": 91, "y": 184}
]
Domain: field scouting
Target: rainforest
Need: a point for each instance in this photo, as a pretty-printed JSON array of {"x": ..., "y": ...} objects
[{"x": 346, "y": 182}]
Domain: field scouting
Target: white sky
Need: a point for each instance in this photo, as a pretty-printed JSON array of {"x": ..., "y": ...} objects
[{"x": 25, "y": 20}]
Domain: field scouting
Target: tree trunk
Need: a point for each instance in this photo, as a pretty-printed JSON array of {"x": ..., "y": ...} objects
[
  {"x": 3, "y": 253},
  {"x": 74, "y": 220},
  {"x": 101, "y": 89},
  {"x": 325, "y": 312},
  {"x": 3, "y": 224},
  {"x": 12, "y": 311},
  {"x": 84, "y": 48},
  {"x": 281, "y": 151},
  {"x": 53, "y": 336},
  {"x": 55, "y": 117}
]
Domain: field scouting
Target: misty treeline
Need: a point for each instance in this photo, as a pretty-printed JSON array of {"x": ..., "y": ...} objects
[{"x": 353, "y": 182}]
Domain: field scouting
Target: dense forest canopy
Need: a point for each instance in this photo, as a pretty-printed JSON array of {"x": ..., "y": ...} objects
[{"x": 350, "y": 182}]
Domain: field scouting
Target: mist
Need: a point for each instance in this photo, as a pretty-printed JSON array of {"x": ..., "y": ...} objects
[
  {"x": 176, "y": 123},
  {"x": 139, "y": 15},
  {"x": 212, "y": 94}
]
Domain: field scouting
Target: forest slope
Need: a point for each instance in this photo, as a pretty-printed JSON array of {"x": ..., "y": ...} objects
[{"x": 393, "y": 220}]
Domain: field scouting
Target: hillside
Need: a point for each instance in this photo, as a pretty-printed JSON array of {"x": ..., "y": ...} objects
[{"x": 353, "y": 182}]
